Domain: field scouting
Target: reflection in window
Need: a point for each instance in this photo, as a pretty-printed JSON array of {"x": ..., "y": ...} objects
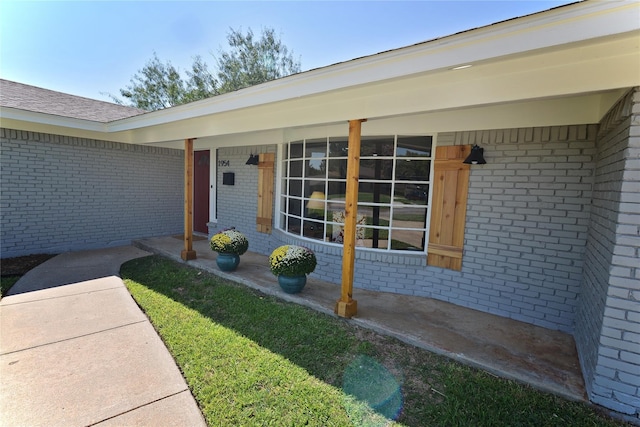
[{"x": 393, "y": 190}]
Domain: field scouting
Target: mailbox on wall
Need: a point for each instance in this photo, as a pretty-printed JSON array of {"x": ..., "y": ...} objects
[{"x": 228, "y": 178}]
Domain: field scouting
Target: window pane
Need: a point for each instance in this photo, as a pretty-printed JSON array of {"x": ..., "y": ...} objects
[
  {"x": 313, "y": 229},
  {"x": 407, "y": 240},
  {"x": 314, "y": 203},
  {"x": 373, "y": 238},
  {"x": 296, "y": 150},
  {"x": 338, "y": 147},
  {"x": 409, "y": 217},
  {"x": 295, "y": 168},
  {"x": 333, "y": 207},
  {"x": 376, "y": 146},
  {"x": 293, "y": 225},
  {"x": 335, "y": 231},
  {"x": 376, "y": 169},
  {"x": 413, "y": 170},
  {"x": 375, "y": 215},
  {"x": 295, "y": 207},
  {"x": 337, "y": 190},
  {"x": 374, "y": 192},
  {"x": 295, "y": 187},
  {"x": 414, "y": 146},
  {"x": 338, "y": 168},
  {"x": 312, "y": 186},
  {"x": 411, "y": 194},
  {"x": 315, "y": 167},
  {"x": 315, "y": 148}
]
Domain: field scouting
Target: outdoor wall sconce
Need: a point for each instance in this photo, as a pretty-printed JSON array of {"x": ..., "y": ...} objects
[
  {"x": 476, "y": 157},
  {"x": 254, "y": 159}
]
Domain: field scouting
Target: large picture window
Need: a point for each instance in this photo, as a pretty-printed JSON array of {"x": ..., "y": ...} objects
[{"x": 393, "y": 190}]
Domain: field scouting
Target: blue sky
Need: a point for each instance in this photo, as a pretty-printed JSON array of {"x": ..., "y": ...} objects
[{"x": 90, "y": 48}]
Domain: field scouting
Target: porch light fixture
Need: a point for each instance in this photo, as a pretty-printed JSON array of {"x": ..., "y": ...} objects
[
  {"x": 253, "y": 160},
  {"x": 476, "y": 157}
]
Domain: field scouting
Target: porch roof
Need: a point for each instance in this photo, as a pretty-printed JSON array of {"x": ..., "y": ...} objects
[{"x": 564, "y": 66}]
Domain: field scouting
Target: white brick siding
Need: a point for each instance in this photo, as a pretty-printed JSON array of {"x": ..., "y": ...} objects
[
  {"x": 608, "y": 322},
  {"x": 61, "y": 193},
  {"x": 238, "y": 204}
]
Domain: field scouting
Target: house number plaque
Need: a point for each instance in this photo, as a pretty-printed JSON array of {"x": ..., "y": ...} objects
[{"x": 223, "y": 163}]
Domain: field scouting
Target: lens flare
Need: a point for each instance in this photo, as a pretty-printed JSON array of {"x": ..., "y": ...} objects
[{"x": 371, "y": 382}]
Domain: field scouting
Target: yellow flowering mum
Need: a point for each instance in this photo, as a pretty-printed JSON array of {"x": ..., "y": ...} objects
[
  {"x": 229, "y": 242},
  {"x": 292, "y": 260}
]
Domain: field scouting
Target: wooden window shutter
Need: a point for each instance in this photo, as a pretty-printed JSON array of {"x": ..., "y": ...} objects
[
  {"x": 448, "y": 207},
  {"x": 265, "y": 192}
]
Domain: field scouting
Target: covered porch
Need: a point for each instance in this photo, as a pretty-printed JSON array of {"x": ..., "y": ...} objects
[{"x": 543, "y": 358}]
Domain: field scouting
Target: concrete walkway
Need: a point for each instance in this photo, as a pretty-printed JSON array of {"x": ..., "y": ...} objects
[{"x": 75, "y": 350}]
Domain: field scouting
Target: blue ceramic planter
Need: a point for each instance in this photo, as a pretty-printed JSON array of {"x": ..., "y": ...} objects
[
  {"x": 228, "y": 262},
  {"x": 292, "y": 284}
]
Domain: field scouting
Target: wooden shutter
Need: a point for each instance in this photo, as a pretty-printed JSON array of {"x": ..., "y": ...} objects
[
  {"x": 448, "y": 207},
  {"x": 265, "y": 192}
]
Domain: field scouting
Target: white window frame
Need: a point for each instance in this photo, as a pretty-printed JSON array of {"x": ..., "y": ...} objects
[{"x": 283, "y": 179}]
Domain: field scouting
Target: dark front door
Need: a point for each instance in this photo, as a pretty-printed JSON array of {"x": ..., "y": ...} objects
[{"x": 201, "y": 190}]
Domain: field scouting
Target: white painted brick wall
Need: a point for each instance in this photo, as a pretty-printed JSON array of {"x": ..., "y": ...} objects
[
  {"x": 238, "y": 204},
  {"x": 62, "y": 193},
  {"x": 608, "y": 332},
  {"x": 527, "y": 223}
]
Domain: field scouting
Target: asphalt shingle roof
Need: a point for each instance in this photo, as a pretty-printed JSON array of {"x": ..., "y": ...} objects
[{"x": 39, "y": 100}]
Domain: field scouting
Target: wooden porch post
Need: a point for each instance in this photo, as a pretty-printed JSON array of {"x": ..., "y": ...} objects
[
  {"x": 346, "y": 305},
  {"x": 188, "y": 252}
]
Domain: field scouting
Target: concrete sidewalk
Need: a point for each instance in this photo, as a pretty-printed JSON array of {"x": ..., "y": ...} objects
[{"x": 75, "y": 350}]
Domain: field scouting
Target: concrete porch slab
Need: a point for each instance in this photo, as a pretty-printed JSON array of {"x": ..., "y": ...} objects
[{"x": 540, "y": 357}]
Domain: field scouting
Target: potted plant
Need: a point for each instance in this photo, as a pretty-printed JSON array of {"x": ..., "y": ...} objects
[
  {"x": 291, "y": 264},
  {"x": 229, "y": 244}
]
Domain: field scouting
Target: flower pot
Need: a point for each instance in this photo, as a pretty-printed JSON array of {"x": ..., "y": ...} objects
[
  {"x": 228, "y": 262},
  {"x": 292, "y": 284}
]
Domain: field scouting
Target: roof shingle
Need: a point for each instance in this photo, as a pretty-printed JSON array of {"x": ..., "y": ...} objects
[{"x": 39, "y": 100}]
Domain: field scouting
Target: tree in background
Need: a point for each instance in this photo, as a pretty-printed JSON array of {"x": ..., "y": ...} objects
[{"x": 249, "y": 62}]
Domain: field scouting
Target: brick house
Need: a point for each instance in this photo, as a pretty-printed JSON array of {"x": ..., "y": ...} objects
[{"x": 546, "y": 232}]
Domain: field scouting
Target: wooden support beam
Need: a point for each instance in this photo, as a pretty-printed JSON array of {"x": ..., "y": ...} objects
[
  {"x": 188, "y": 252},
  {"x": 346, "y": 305}
]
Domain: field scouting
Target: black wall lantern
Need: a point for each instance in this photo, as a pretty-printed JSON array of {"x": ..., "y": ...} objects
[
  {"x": 476, "y": 157},
  {"x": 253, "y": 160}
]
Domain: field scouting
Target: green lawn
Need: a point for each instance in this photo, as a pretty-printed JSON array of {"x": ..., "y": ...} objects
[
  {"x": 6, "y": 283},
  {"x": 253, "y": 360}
]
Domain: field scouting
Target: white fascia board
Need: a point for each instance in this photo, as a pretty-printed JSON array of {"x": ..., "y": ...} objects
[
  {"x": 554, "y": 28},
  {"x": 12, "y": 118},
  {"x": 8, "y": 113}
]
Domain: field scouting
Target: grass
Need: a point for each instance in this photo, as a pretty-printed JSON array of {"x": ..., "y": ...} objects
[
  {"x": 6, "y": 282},
  {"x": 254, "y": 360}
]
